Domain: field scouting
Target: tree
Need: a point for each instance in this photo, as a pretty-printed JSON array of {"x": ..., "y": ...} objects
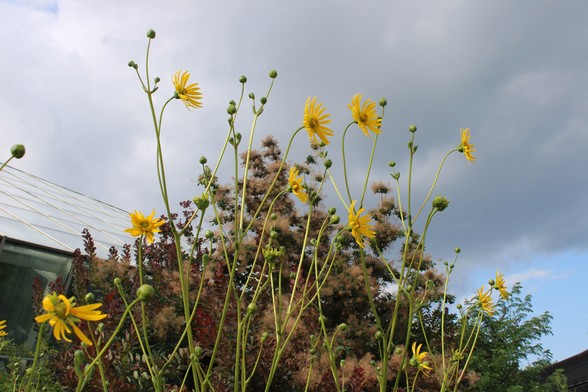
[{"x": 507, "y": 339}]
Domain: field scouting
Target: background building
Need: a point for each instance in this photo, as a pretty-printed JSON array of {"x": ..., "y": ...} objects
[{"x": 41, "y": 225}]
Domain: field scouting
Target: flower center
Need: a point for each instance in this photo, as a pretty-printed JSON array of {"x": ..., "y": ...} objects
[
  {"x": 314, "y": 123},
  {"x": 145, "y": 225},
  {"x": 61, "y": 310},
  {"x": 363, "y": 117}
]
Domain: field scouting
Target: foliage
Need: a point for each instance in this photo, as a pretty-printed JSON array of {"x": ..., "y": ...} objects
[{"x": 506, "y": 341}]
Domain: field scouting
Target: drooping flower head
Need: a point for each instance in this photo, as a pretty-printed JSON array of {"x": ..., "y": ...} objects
[
  {"x": 466, "y": 147},
  {"x": 500, "y": 285},
  {"x": 360, "y": 225},
  {"x": 144, "y": 225},
  {"x": 189, "y": 93},
  {"x": 315, "y": 120},
  {"x": 63, "y": 314},
  {"x": 418, "y": 358},
  {"x": 2, "y": 326},
  {"x": 485, "y": 301},
  {"x": 295, "y": 183},
  {"x": 365, "y": 115}
]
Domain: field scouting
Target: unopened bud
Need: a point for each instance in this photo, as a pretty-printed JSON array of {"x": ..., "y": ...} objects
[
  {"x": 273, "y": 74},
  {"x": 145, "y": 292},
  {"x": 243, "y": 79},
  {"x": 412, "y": 128},
  {"x": 263, "y": 100},
  {"x": 17, "y": 151},
  {"x": 151, "y": 34},
  {"x": 203, "y": 160},
  {"x": 440, "y": 203},
  {"x": 89, "y": 298},
  {"x": 383, "y": 102},
  {"x": 328, "y": 163}
]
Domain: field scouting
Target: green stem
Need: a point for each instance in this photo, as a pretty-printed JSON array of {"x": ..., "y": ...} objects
[{"x": 344, "y": 162}]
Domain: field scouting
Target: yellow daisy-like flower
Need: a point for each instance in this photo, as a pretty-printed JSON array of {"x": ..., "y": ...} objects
[
  {"x": 360, "y": 225},
  {"x": 466, "y": 147},
  {"x": 189, "y": 93},
  {"x": 500, "y": 285},
  {"x": 485, "y": 301},
  {"x": 365, "y": 115},
  {"x": 418, "y": 358},
  {"x": 295, "y": 183},
  {"x": 62, "y": 314},
  {"x": 315, "y": 121},
  {"x": 2, "y": 326},
  {"x": 144, "y": 225}
]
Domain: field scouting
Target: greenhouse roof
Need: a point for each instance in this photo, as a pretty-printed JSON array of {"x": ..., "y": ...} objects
[{"x": 39, "y": 212}]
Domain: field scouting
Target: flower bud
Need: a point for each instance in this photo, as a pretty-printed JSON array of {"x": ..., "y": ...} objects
[
  {"x": 131, "y": 64},
  {"x": 243, "y": 79},
  {"x": 342, "y": 326},
  {"x": 412, "y": 128},
  {"x": 342, "y": 363},
  {"x": 273, "y": 74},
  {"x": 328, "y": 163},
  {"x": 263, "y": 100},
  {"x": 458, "y": 306},
  {"x": 17, "y": 151},
  {"x": 398, "y": 351},
  {"x": 145, "y": 292},
  {"x": 197, "y": 351},
  {"x": 117, "y": 282},
  {"x": 335, "y": 219},
  {"x": 78, "y": 358},
  {"x": 292, "y": 275},
  {"x": 151, "y": 34},
  {"x": 383, "y": 102},
  {"x": 89, "y": 298},
  {"x": 391, "y": 163},
  {"x": 332, "y": 211},
  {"x": 232, "y": 109},
  {"x": 457, "y": 250},
  {"x": 203, "y": 160},
  {"x": 440, "y": 203},
  {"x": 273, "y": 234},
  {"x": 273, "y": 216},
  {"x": 251, "y": 95},
  {"x": 209, "y": 234},
  {"x": 491, "y": 282},
  {"x": 157, "y": 79},
  {"x": 201, "y": 202},
  {"x": 379, "y": 335},
  {"x": 251, "y": 308},
  {"x": 264, "y": 336}
]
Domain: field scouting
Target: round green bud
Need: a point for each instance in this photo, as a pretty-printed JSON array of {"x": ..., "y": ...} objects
[
  {"x": 458, "y": 306},
  {"x": 342, "y": 326},
  {"x": 398, "y": 351},
  {"x": 203, "y": 160},
  {"x": 17, "y": 151},
  {"x": 90, "y": 298},
  {"x": 292, "y": 275},
  {"x": 197, "y": 351},
  {"x": 209, "y": 234},
  {"x": 264, "y": 336},
  {"x": 373, "y": 363},
  {"x": 391, "y": 163},
  {"x": 328, "y": 163},
  {"x": 273, "y": 74},
  {"x": 117, "y": 281},
  {"x": 131, "y": 64},
  {"x": 157, "y": 79},
  {"x": 335, "y": 219},
  {"x": 412, "y": 128},
  {"x": 491, "y": 282},
  {"x": 232, "y": 109},
  {"x": 383, "y": 102},
  {"x": 145, "y": 292},
  {"x": 251, "y": 308},
  {"x": 342, "y": 363},
  {"x": 322, "y": 319},
  {"x": 251, "y": 95},
  {"x": 332, "y": 211},
  {"x": 151, "y": 34},
  {"x": 273, "y": 216},
  {"x": 379, "y": 335},
  {"x": 263, "y": 100},
  {"x": 79, "y": 356},
  {"x": 457, "y": 250},
  {"x": 273, "y": 234},
  {"x": 243, "y": 79},
  {"x": 440, "y": 203},
  {"x": 202, "y": 202},
  {"x": 101, "y": 327}
]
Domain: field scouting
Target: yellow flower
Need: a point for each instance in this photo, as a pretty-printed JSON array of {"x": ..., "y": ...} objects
[
  {"x": 500, "y": 285},
  {"x": 360, "y": 225},
  {"x": 315, "y": 121},
  {"x": 144, "y": 225},
  {"x": 418, "y": 358},
  {"x": 2, "y": 326},
  {"x": 62, "y": 314},
  {"x": 365, "y": 115},
  {"x": 189, "y": 93},
  {"x": 466, "y": 147},
  {"x": 295, "y": 183},
  {"x": 485, "y": 301}
]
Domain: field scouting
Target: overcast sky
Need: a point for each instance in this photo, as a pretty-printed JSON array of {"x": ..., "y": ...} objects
[{"x": 516, "y": 73}]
